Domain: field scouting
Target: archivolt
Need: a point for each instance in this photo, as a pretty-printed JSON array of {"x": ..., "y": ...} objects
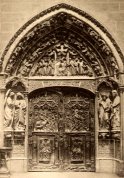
[{"x": 57, "y": 33}]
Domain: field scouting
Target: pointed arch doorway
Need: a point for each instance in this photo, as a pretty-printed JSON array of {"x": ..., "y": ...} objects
[
  {"x": 64, "y": 46},
  {"x": 61, "y": 130}
]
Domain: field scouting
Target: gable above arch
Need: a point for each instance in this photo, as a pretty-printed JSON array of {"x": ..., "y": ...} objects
[{"x": 62, "y": 41}]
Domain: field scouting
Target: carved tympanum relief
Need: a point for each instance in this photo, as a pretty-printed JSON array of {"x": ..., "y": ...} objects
[
  {"x": 62, "y": 45},
  {"x": 14, "y": 111},
  {"x": 109, "y": 110},
  {"x": 61, "y": 61}
]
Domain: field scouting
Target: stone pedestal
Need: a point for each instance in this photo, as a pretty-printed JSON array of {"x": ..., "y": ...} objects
[{"x": 4, "y": 172}]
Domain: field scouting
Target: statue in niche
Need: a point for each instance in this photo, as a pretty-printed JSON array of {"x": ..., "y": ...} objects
[
  {"x": 19, "y": 112},
  {"x": 104, "y": 111},
  {"x": 115, "y": 111},
  {"x": 15, "y": 110},
  {"x": 8, "y": 109}
]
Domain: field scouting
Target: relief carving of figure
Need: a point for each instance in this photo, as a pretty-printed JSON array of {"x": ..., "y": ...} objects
[
  {"x": 41, "y": 122},
  {"x": 45, "y": 150},
  {"x": 62, "y": 62},
  {"x": 60, "y": 67},
  {"x": 76, "y": 149},
  {"x": 115, "y": 113},
  {"x": 104, "y": 111},
  {"x": 72, "y": 68}
]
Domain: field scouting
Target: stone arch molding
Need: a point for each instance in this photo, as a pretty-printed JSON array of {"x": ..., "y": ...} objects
[{"x": 59, "y": 35}]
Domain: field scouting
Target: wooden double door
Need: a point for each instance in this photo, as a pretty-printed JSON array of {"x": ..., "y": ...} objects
[{"x": 61, "y": 130}]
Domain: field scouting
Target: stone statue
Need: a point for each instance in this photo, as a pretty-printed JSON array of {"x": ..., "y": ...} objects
[
  {"x": 104, "y": 111},
  {"x": 19, "y": 112},
  {"x": 8, "y": 109},
  {"x": 115, "y": 111}
]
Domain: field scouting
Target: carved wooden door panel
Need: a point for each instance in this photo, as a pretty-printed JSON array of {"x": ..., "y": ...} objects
[
  {"x": 43, "y": 132},
  {"x": 61, "y": 131},
  {"x": 79, "y": 132}
]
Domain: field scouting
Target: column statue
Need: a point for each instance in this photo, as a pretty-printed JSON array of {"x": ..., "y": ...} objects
[
  {"x": 115, "y": 111},
  {"x": 20, "y": 112},
  {"x": 104, "y": 111},
  {"x": 8, "y": 109},
  {"x": 14, "y": 111}
]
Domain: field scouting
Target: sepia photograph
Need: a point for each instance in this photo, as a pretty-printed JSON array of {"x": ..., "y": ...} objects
[{"x": 61, "y": 88}]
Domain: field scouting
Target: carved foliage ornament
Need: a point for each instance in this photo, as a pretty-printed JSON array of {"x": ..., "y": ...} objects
[{"x": 62, "y": 29}]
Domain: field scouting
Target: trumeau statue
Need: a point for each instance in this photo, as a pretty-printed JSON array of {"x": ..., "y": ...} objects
[{"x": 15, "y": 111}]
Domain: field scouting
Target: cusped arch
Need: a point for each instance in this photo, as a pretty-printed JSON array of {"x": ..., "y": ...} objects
[
  {"x": 59, "y": 35},
  {"x": 107, "y": 84}
]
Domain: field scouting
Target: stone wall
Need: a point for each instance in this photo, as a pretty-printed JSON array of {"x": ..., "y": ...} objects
[{"x": 15, "y": 13}]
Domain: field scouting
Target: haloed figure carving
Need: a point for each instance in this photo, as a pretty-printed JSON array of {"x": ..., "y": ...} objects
[{"x": 14, "y": 111}]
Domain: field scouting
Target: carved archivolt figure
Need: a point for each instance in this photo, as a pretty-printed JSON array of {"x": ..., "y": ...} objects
[
  {"x": 8, "y": 109},
  {"x": 115, "y": 111},
  {"x": 15, "y": 110},
  {"x": 104, "y": 111}
]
